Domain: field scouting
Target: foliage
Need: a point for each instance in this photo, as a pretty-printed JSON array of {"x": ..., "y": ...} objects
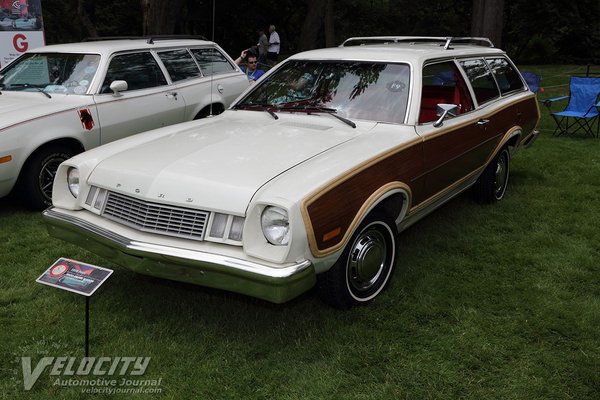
[{"x": 552, "y": 32}]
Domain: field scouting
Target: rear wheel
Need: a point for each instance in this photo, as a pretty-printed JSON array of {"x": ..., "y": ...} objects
[
  {"x": 37, "y": 175},
  {"x": 491, "y": 185},
  {"x": 365, "y": 266}
]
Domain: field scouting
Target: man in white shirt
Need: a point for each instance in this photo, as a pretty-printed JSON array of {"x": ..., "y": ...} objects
[{"x": 274, "y": 46}]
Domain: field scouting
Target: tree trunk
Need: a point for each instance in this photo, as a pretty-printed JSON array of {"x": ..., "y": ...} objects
[
  {"x": 329, "y": 25},
  {"x": 160, "y": 17},
  {"x": 86, "y": 21},
  {"x": 312, "y": 25},
  {"x": 487, "y": 20}
]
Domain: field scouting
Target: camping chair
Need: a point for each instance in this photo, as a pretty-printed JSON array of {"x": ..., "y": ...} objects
[{"x": 582, "y": 110}]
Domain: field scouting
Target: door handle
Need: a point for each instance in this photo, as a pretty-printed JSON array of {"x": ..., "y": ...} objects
[
  {"x": 482, "y": 122},
  {"x": 171, "y": 95}
]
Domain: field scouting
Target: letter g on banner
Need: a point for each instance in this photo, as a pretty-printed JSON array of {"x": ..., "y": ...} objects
[{"x": 20, "y": 43}]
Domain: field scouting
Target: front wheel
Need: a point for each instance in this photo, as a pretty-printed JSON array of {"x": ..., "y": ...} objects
[
  {"x": 37, "y": 175},
  {"x": 365, "y": 266},
  {"x": 491, "y": 185}
]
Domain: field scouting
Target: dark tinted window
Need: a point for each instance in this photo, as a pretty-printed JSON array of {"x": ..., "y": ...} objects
[
  {"x": 179, "y": 64},
  {"x": 507, "y": 77},
  {"x": 481, "y": 79},
  {"x": 211, "y": 61},
  {"x": 139, "y": 70}
]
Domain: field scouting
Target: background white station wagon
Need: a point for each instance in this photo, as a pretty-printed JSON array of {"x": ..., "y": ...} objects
[
  {"x": 60, "y": 100},
  {"x": 310, "y": 175}
]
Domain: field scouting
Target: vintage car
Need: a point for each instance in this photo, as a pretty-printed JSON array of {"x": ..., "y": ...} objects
[
  {"x": 60, "y": 100},
  {"x": 311, "y": 173}
]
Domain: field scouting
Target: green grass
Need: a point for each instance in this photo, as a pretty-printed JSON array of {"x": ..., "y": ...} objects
[{"x": 489, "y": 302}]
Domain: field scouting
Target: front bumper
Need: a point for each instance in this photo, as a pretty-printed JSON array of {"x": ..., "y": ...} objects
[{"x": 277, "y": 285}]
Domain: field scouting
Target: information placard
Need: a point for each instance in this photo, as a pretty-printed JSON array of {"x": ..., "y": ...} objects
[{"x": 75, "y": 276}]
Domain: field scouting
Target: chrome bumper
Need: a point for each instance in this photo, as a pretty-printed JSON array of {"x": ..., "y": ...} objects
[{"x": 277, "y": 285}]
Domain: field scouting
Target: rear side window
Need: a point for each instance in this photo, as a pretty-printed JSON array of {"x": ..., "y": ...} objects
[
  {"x": 481, "y": 80},
  {"x": 211, "y": 61},
  {"x": 507, "y": 77},
  {"x": 179, "y": 64},
  {"x": 139, "y": 70}
]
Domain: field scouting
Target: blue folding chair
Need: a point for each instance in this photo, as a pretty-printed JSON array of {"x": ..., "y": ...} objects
[{"x": 581, "y": 112}]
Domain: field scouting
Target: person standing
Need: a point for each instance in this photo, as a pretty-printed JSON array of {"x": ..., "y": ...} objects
[
  {"x": 263, "y": 46},
  {"x": 251, "y": 70},
  {"x": 274, "y": 46}
]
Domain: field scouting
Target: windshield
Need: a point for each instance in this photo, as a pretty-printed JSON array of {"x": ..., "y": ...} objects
[
  {"x": 354, "y": 90},
  {"x": 51, "y": 72}
]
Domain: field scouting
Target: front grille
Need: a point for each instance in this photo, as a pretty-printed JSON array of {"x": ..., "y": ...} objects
[{"x": 156, "y": 218}]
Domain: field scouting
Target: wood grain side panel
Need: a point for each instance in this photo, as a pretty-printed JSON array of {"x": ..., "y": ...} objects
[{"x": 332, "y": 210}]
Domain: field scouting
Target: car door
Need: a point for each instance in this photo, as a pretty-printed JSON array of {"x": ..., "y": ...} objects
[
  {"x": 226, "y": 80},
  {"x": 148, "y": 103},
  {"x": 455, "y": 150}
]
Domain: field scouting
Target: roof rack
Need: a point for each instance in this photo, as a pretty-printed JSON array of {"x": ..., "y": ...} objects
[
  {"x": 149, "y": 39},
  {"x": 443, "y": 41}
]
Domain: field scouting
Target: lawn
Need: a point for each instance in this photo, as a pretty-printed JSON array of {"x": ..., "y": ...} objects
[{"x": 488, "y": 302}]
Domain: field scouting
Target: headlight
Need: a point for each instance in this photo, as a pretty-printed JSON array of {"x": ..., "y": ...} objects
[
  {"x": 275, "y": 225},
  {"x": 73, "y": 181}
]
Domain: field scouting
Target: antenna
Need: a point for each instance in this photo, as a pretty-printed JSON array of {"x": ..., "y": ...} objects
[{"x": 212, "y": 64}]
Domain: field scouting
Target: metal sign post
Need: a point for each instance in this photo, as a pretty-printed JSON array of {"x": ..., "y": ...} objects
[{"x": 81, "y": 278}]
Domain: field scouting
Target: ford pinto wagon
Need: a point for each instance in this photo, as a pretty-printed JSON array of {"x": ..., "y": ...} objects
[
  {"x": 59, "y": 100},
  {"x": 311, "y": 173}
]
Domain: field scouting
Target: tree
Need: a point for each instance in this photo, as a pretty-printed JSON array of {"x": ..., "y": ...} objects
[
  {"x": 161, "y": 16},
  {"x": 85, "y": 11},
  {"x": 487, "y": 20},
  {"x": 319, "y": 15}
]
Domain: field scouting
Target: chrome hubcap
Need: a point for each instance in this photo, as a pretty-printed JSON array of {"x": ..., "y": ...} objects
[
  {"x": 501, "y": 176},
  {"x": 368, "y": 259}
]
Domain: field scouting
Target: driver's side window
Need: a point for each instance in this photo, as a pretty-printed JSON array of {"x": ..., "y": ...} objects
[
  {"x": 443, "y": 84},
  {"x": 139, "y": 70}
]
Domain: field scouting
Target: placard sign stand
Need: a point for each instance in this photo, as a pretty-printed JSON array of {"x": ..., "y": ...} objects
[{"x": 77, "y": 277}]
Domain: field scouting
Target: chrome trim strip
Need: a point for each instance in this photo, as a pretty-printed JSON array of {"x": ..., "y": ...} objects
[
  {"x": 168, "y": 251},
  {"x": 528, "y": 141}
]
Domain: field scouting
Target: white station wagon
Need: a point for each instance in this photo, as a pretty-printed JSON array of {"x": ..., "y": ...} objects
[
  {"x": 311, "y": 173},
  {"x": 59, "y": 100}
]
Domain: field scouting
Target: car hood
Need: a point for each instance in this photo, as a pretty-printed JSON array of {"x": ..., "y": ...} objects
[
  {"x": 16, "y": 107},
  {"x": 219, "y": 164}
]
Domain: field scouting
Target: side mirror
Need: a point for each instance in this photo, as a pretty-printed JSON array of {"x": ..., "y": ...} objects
[
  {"x": 442, "y": 111},
  {"x": 117, "y": 87}
]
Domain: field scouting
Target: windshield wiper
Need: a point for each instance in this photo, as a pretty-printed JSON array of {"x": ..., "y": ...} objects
[
  {"x": 327, "y": 110},
  {"x": 29, "y": 85},
  {"x": 265, "y": 107}
]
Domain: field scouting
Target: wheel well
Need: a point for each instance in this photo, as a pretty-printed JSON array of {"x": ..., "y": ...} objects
[
  {"x": 393, "y": 205},
  {"x": 217, "y": 108},
  {"x": 514, "y": 139},
  {"x": 69, "y": 143}
]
